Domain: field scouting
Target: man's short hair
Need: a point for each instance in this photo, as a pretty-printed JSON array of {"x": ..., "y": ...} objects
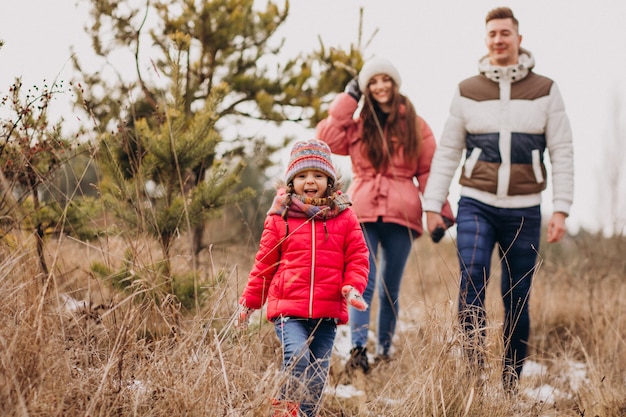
[{"x": 502, "y": 13}]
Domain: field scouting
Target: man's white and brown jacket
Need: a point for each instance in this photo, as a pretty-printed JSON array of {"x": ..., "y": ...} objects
[{"x": 505, "y": 119}]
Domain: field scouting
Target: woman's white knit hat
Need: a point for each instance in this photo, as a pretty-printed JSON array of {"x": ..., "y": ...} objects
[{"x": 377, "y": 66}]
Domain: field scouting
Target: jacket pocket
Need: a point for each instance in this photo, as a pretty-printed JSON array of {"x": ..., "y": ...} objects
[
  {"x": 470, "y": 162},
  {"x": 537, "y": 166}
]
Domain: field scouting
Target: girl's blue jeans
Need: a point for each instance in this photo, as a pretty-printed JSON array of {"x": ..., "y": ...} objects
[
  {"x": 307, "y": 348},
  {"x": 395, "y": 242},
  {"x": 516, "y": 232}
]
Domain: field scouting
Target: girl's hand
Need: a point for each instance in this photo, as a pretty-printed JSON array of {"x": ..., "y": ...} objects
[
  {"x": 243, "y": 316},
  {"x": 354, "y": 298}
]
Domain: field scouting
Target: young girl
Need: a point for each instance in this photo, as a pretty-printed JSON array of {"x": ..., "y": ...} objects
[
  {"x": 312, "y": 258},
  {"x": 390, "y": 148}
]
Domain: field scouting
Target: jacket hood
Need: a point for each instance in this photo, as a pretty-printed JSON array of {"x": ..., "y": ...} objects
[{"x": 513, "y": 73}]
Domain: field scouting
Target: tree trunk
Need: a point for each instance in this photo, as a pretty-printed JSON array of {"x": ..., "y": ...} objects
[{"x": 39, "y": 231}]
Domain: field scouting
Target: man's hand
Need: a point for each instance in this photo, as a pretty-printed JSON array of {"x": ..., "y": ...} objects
[
  {"x": 437, "y": 225},
  {"x": 556, "y": 227},
  {"x": 355, "y": 299}
]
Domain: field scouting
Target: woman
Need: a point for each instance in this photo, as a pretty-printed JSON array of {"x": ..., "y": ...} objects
[{"x": 391, "y": 149}]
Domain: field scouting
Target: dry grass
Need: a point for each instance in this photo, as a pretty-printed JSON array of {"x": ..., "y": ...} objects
[{"x": 114, "y": 354}]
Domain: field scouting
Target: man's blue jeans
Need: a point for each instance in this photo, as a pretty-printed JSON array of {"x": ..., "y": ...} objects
[
  {"x": 395, "y": 241},
  {"x": 307, "y": 348},
  {"x": 516, "y": 231}
]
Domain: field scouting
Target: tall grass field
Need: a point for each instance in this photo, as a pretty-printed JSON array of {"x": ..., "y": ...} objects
[{"x": 78, "y": 342}]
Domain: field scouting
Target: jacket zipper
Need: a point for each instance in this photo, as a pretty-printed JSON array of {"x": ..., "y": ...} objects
[{"x": 312, "y": 277}]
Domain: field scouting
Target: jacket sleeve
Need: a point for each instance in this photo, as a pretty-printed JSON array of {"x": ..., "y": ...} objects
[
  {"x": 356, "y": 255},
  {"x": 561, "y": 150},
  {"x": 446, "y": 158},
  {"x": 265, "y": 266},
  {"x": 339, "y": 129},
  {"x": 427, "y": 151}
]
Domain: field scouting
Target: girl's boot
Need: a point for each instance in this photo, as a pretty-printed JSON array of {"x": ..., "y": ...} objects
[{"x": 284, "y": 408}]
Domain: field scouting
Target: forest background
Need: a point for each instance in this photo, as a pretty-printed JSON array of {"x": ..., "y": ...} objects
[{"x": 128, "y": 231}]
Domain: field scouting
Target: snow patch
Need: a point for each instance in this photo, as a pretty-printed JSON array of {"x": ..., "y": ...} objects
[
  {"x": 344, "y": 391},
  {"x": 544, "y": 393},
  {"x": 71, "y": 304}
]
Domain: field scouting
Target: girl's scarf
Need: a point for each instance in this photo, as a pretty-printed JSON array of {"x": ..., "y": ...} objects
[{"x": 306, "y": 207}]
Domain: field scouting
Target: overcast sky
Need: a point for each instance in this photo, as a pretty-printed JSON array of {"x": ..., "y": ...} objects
[{"x": 434, "y": 44}]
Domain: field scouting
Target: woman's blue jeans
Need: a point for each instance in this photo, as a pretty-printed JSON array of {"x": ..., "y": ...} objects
[
  {"x": 307, "y": 348},
  {"x": 516, "y": 232},
  {"x": 395, "y": 241}
]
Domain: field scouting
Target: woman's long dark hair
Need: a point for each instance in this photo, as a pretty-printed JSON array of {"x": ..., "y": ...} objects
[{"x": 403, "y": 127}]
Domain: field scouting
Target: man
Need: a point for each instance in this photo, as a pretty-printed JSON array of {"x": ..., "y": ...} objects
[{"x": 504, "y": 118}]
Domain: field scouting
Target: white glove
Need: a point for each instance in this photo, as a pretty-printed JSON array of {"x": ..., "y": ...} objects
[{"x": 354, "y": 298}]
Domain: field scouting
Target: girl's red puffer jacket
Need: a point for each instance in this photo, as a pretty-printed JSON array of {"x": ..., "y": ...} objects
[{"x": 302, "y": 276}]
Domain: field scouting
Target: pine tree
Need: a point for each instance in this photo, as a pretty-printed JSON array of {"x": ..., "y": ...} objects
[
  {"x": 155, "y": 190},
  {"x": 201, "y": 46}
]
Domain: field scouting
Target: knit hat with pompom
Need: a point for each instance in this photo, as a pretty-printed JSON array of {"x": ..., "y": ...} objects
[{"x": 310, "y": 154}]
